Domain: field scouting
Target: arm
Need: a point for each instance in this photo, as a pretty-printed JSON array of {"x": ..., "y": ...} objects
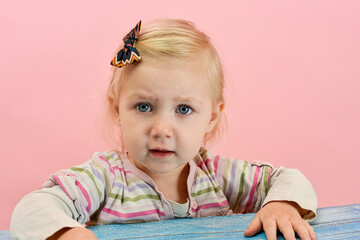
[
  {"x": 42, "y": 213},
  {"x": 250, "y": 186},
  {"x": 68, "y": 200},
  {"x": 281, "y": 197},
  {"x": 292, "y": 186},
  {"x": 290, "y": 200}
]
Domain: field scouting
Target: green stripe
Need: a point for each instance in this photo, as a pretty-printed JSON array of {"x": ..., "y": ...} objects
[
  {"x": 200, "y": 173},
  {"x": 206, "y": 190},
  {"x": 226, "y": 173},
  {"x": 76, "y": 169},
  {"x": 134, "y": 180},
  {"x": 242, "y": 182},
  {"x": 109, "y": 158},
  {"x": 135, "y": 199},
  {"x": 108, "y": 155},
  {"x": 266, "y": 181}
]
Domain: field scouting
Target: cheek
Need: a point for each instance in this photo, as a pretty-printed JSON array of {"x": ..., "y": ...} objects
[
  {"x": 194, "y": 133},
  {"x": 130, "y": 132},
  {"x": 204, "y": 124},
  {"x": 190, "y": 144}
]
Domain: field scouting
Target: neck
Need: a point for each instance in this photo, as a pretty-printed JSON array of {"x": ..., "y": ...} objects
[{"x": 173, "y": 185}]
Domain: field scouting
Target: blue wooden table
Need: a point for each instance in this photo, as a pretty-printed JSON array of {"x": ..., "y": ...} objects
[{"x": 341, "y": 222}]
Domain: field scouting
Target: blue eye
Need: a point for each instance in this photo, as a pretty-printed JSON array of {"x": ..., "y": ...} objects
[
  {"x": 184, "y": 109},
  {"x": 143, "y": 107}
]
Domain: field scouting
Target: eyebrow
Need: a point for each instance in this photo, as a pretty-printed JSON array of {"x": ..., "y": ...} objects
[
  {"x": 186, "y": 99},
  {"x": 144, "y": 96},
  {"x": 153, "y": 98}
]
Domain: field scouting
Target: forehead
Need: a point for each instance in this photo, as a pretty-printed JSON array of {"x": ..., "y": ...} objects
[{"x": 166, "y": 80}]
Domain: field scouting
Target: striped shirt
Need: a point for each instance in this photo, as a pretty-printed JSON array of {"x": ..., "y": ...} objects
[{"x": 110, "y": 189}]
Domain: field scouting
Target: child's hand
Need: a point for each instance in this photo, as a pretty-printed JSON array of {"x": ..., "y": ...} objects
[
  {"x": 283, "y": 216},
  {"x": 73, "y": 233}
]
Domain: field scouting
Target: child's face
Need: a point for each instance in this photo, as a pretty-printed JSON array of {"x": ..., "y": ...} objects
[{"x": 164, "y": 114}]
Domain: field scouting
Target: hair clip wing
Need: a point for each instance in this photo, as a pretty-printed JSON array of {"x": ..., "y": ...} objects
[{"x": 128, "y": 54}]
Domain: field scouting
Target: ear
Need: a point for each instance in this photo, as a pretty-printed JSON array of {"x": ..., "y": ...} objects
[
  {"x": 115, "y": 108},
  {"x": 110, "y": 100},
  {"x": 215, "y": 115}
]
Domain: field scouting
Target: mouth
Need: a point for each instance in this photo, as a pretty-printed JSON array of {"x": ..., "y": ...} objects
[{"x": 161, "y": 153}]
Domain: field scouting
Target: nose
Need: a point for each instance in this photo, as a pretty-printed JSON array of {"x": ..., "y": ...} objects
[{"x": 162, "y": 127}]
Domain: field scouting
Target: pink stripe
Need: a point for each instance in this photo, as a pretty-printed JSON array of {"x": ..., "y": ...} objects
[
  {"x": 107, "y": 162},
  {"x": 86, "y": 195},
  {"x": 134, "y": 214},
  {"x": 132, "y": 208},
  {"x": 207, "y": 161},
  {"x": 270, "y": 169},
  {"x": 120, "y": 169},
  {"x": 61, "y": 185},
  {"x": 216, "y": 161},
  {"x": 252, "y": 189},
  {"x": 117, "y": 167},
  {"x": 212, "y": 205}
]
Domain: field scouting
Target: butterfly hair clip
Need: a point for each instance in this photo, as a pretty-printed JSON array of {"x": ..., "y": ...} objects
[{"x": 128, "y": 54}]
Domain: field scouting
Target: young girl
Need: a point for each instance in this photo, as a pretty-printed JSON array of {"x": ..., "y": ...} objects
[{"x": 166, "y": 98}]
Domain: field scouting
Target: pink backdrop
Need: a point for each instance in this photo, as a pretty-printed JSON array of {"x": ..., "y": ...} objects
[{"x": 292, "y": 72}]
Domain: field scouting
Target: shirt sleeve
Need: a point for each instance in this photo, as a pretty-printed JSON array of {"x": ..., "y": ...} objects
[
  {"x": 249, "y": 186},
  {"x": 69, "y": 198},
  {"x": 42, "y": 213},
  {"x": 87, "y": 185},
  {"x": 292, "y": 185}
]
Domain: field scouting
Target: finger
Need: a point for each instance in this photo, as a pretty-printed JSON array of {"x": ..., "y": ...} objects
[
  {"x": 311, "y": 231},
  {"x": 286, "y": 228},
  {"x": 301, "y": 229},
  {"x": 254, "y": 227},
  {"x": 270, "y": 229}
]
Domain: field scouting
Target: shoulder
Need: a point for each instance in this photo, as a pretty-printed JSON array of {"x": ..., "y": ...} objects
[
  {"x": 104, "y": 164},
  {"x": 208, "y": 155},
  {"x": 111, "y": 157},
  {"x": 99, "y": 171},
  {"x": 224, "y": 163},
  {"x": 108, "y": 161},
  {"x": 207, "y": 161}
]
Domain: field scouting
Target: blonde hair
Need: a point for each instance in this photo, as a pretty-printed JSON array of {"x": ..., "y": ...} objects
[{"x": 170, "y": 41}]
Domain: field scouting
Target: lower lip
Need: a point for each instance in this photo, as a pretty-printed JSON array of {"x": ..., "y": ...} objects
[{"x": 159, "y": 154}]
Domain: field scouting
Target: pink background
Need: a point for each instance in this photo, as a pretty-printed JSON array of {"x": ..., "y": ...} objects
[{"x": 292, "y": 72}]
